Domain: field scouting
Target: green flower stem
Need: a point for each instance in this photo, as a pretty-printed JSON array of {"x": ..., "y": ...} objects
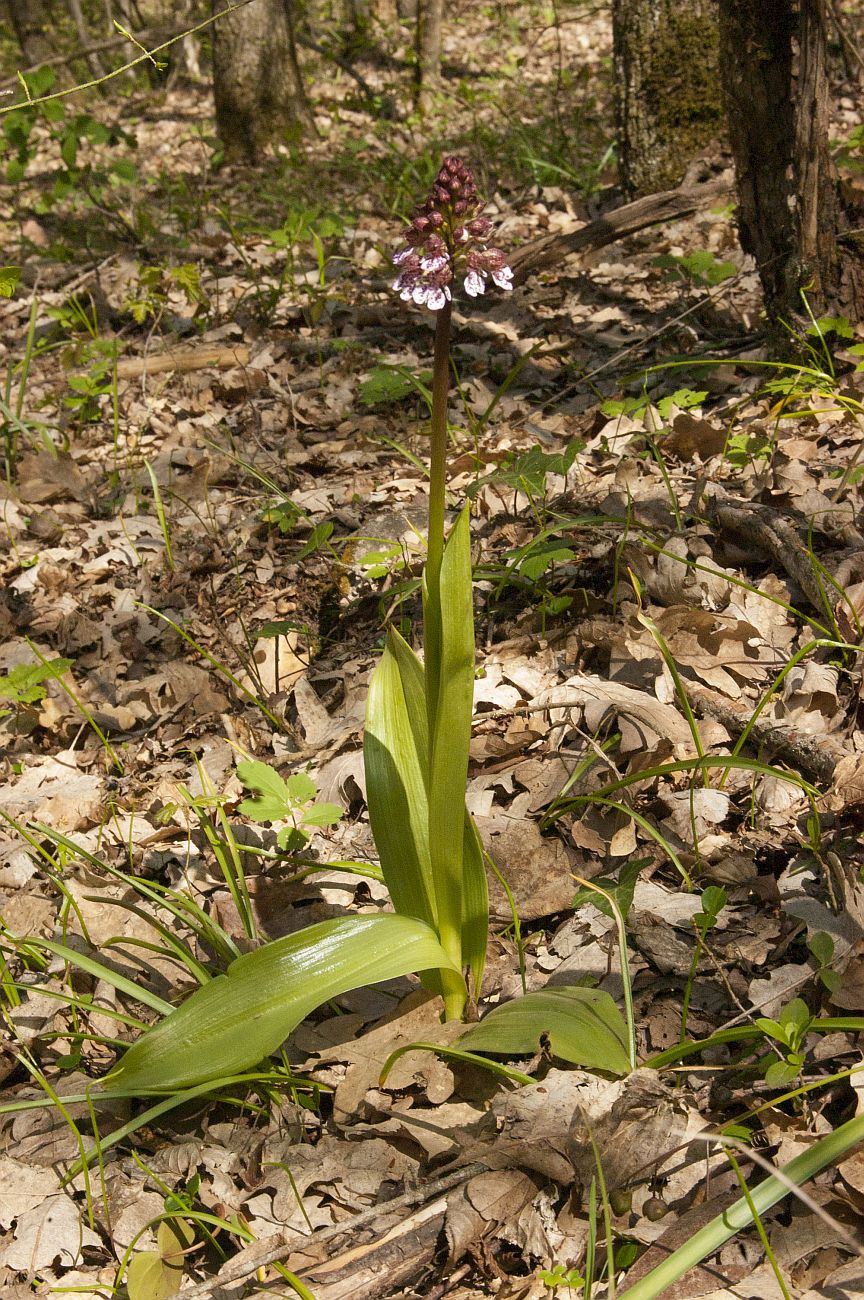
[
  {"x": 449, "y": 929},
  {"x": 435, "y": 532},
  {"x": 438, "y": 454}
]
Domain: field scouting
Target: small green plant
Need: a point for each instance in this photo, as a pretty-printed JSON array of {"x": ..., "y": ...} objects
[
  {"x": 821, "y": 947},
  {"x": 385, "y": 385},
  {"x": 560, "y": 1276},
  {"x": 158, "y": 1274},
  {"x": 683, "y": 398},
  {"x": 789, "y": 1030},
  {"x": 713, "y": 902},
  {"x": 700, "y": 267},
  {"x": 10, "y": 278},
  {"x": 849, "y": 153},
  {"x": 527, "y": 471},
  {"x": 276, "y": 799},
  {"x": 747, "y": 448},
  {"x": 150, "y": 297},
  {"x": 24, "y": 684}
]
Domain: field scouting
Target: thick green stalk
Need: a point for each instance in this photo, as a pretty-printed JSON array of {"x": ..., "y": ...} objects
[
  {"x": 438, "y": 452},
  {"x": 449, "y": 916},
  {"x": 435, "y": 531}
]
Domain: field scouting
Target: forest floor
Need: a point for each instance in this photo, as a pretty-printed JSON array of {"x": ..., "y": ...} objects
[{"x": 215, "y": 434}]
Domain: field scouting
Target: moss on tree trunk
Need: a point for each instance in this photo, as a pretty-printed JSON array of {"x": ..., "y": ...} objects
[{"x": 668, "y": 100}]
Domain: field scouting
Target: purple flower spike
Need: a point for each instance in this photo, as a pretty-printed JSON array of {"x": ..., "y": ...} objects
[{"x": 448, "y": 239}]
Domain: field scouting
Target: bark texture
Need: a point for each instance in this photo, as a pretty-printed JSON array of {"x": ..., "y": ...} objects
[
  {"x": 668, "y": 100},
  {"x": 430, "y": 23},
  {"x": 257, "y": 83},
  {"x": 29, "y": 20},
  {"x": 790, "y": 215}
]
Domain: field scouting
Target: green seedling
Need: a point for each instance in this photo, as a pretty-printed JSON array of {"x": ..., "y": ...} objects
[
  {"x": 560, "y": 1276},
  {"x": 151, "y": 295},
  {"x": 277, "y": 800},
  {"x": 821, "y": 947},
  {"x": 158, "y": 1274},
  {"x": 790, "y": 1031},
  {"x": 24, "y": 684},
  {"x": 616, "y": 893},
  {"x": 684, "y": 399},
  {"x": 713, "y": 902},
  {"x": 526, "y": 472},
  {"x": 385, "y": 385},
  {"x": 10, "y": 277},
  {"x": 700, "y": 267}
]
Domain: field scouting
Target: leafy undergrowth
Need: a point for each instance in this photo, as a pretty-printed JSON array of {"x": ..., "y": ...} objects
[{"x": 214, "y": 436}]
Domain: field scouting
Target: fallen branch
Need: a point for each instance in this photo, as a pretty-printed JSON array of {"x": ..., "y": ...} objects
[
  {"x": 651, "y": 210},
  {"x": 184, "y": 359},
  {"x": 260, "y": 1253}
]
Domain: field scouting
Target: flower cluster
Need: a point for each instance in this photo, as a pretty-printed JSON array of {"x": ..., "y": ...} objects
[{"x": 446, "y": 239}]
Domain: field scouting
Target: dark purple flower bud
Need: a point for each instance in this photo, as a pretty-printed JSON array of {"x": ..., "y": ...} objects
[{"x": 447, "y": 238}]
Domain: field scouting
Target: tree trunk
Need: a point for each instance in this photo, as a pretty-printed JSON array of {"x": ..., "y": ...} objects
[
  {"x": 257, "y": 83},
  {"x": 790, "y": 216},
  {"x": 430, "y": 18},
  {"x": 668, "y": 100},
  {"x": 29, "y": 21},
  {"x": 92, "y": 59}
]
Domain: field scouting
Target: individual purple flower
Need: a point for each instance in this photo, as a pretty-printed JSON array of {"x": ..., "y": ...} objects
[{"x": 446, "y": 240}]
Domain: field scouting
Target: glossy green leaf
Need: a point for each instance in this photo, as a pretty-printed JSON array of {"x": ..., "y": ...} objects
[
  {"x": 239, "y": 1018},
  {"x": 583, "y": 1026},
  {"x": 451, "y": 734},
  {"x": 394, "y": 753}
]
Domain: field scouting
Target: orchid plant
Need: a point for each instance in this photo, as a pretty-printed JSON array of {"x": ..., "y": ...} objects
[{"x": 417, "y": 735}]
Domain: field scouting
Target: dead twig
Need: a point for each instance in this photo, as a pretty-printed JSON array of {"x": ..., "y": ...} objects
[
  {"x": 260, "y": 1253},
  {"x": 652, "y": 210}
]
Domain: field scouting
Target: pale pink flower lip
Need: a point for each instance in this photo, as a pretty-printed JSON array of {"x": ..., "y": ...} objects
[
  {"x": 448, "y": 237},
  {"x": 474, "y": 283}
]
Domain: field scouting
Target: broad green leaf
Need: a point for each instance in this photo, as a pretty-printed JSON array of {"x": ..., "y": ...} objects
[
  {"x": 402, "y": 838},
  {"x": 157, "y": 1274},
  {"x": 451, "y": 735},
  {"x": 239, "y": 1018},
  {"x": 301, "y": 788},
  {"x": 272, "y": 800},
  {"x": 394, "y": 753},
  {"x": 584, "y": 1026},
  {"x": 323, "y": 814}
]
